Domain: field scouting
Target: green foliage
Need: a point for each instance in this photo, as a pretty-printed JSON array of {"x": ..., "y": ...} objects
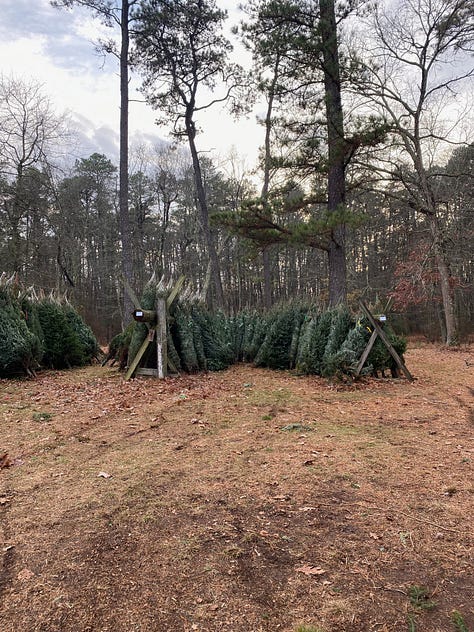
[
  {"x": 119, "y": 346},
  {"x": 20, "y": 348},
  {"x": 458, "y": 620},
  {"x": 30, "y": 311},
  {"x": 420, "y": 598},
  {"x": 299, "y": 318},
  {"x": 275, "y": 349},
  {"x": 40, "y": 333},
  {"x": 214, "y": 336},
  {"x": 172, "y": 352},
  {"x": 346, "y": 359},
  {"x": 311, "y": 353},
  {"x": 182, "y": 331},
  {"x": 88, "y": 342},
  {"x": 62, "y": 345},
  {"x": 342, "y": 322},
  {"x": 326, "y": 343}
]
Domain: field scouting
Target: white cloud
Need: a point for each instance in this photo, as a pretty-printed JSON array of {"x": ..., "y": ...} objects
[{"x": 55, "y": 47}]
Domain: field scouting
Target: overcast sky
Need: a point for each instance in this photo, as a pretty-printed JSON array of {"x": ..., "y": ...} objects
[{"x": 55, "y": 47}]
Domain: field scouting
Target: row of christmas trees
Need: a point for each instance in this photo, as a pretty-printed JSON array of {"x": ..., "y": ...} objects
[
  {"x": 293, "y": 336},
  {"x": 38, "y": 332}
]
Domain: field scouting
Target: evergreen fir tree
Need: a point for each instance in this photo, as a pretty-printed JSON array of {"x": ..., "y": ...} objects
[
  {"x": 30, "y": 311},
  {"x": 90, "y": 346},
  {"x": 342, "y": 323},
  {"x": 314, "y": 344},
  {"x": 63, "y": 349},
  {"x": 182, "y": 331},
  {"x": 19, "y": 347},
  {"x": 299, "y": 318},
  {"x": 275, "y": 350}
]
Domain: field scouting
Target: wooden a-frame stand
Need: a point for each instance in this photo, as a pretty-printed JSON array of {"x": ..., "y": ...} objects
[
  {"x": 156, "y": 322},
  {"x": 378, "y": 331}
]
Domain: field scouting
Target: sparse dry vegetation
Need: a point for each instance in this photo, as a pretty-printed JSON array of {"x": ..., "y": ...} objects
[{"x": 189, "y": 504}]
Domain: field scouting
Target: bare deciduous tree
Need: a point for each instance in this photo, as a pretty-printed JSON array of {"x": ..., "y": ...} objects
[
  {"x": 30, "y": 131},
  {"x": 418, "y": 61}
]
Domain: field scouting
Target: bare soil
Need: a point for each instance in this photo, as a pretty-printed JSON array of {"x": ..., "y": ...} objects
[{"x": 248, "y": 500}]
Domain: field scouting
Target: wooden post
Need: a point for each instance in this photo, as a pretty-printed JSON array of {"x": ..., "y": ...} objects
[
  {"x": 141, "y": 352},
  {"x": 367, "y": 350},
  {"x": 156, "y": 321},
  {"x": 378, "y": 331},
  {"x": 145, "y": 316},
  {"x": 161, "y": 338}
]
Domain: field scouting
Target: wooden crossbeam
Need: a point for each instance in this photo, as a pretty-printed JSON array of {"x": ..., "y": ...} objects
[
  {"x": 173, "y": 295},
  {"x": 137, "y": 359},
  {"x": 130, "y": 292},
  {"x": 378, "y": 331},
  {"x": 159, "y": 327}
]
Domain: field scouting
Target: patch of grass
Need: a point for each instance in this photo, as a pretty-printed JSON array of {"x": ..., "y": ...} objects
[
  {"x": 420, "y": 598},
  {"x": 234, "y": 552},
  {"x": 308, "y": 628},
  {"x": 42, "y": 416},
  {"x": 458, "y": 620},
  {"x": 296, "y": 428},
  {"x": 275, "y": 397}
]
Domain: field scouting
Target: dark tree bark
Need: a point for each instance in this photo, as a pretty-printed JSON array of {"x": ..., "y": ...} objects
[
  {"x": 120, "y": 15},
  {"x": 124, "y": 216},
  {"x": 203, "y": 207},
  {"x": 336, "y": 150}
]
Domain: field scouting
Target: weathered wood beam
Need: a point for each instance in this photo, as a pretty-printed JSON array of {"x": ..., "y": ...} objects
[
  {"x": 173, "y": 295},
  {"x": 386, "y": 341},
  {"x": 161, "y": 338},
  {"x": 141, "y": 352}
]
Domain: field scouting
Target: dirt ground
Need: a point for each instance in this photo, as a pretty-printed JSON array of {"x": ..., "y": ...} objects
[{"x": 249, "y": 500}]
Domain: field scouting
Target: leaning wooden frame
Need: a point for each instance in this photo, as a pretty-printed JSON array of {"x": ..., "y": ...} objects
[
  {"x": 379, "y": 332},
  {"x": 156, "y": 322}
]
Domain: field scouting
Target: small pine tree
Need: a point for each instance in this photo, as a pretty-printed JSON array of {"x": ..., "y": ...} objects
[
  {"x": 215, "y": 341},
  {"x": 63, "y": 349},
  {"x": 310, "y": 356},
  {"x": 182, "y": 332},
  {"x": 172, "y": 352},
  {"x": 342, "y": 322},
  {"x": 19, "y": 347},
  {"x": 275, "y": 349},
  {"x": 197, "y": 338},
  {"x": 90, "y": 346},
  {"x": 300, "y": 315},
  {"x": 30, "y": 311},
  {"x": 119, "y": 346},
  {"x": 260, "y": 329},
  {"x": 251, "y": 321}
]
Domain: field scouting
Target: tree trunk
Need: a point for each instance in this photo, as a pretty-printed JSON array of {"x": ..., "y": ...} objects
[
  {"x": 266, "y": 256},
  {"x": 201, "y": 194},
  {"x": 267, "y": 279},
  {"x": 124, "y": 217},
  {"x": 452, "y": 329},
  {"x": 336, "y": 150}
]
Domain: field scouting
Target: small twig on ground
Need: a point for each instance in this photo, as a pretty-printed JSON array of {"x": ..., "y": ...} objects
[
  {"x": 389, "y": 588},
  {"x": 433, "y": 524},
  {"x": 403, "y": 513}
]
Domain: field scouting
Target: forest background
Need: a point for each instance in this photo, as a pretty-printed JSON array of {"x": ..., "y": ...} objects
[{"x": 363, "y": 187}]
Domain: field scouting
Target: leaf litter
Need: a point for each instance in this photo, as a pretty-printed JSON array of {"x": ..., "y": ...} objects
[{"x": 209, "y": 521}]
